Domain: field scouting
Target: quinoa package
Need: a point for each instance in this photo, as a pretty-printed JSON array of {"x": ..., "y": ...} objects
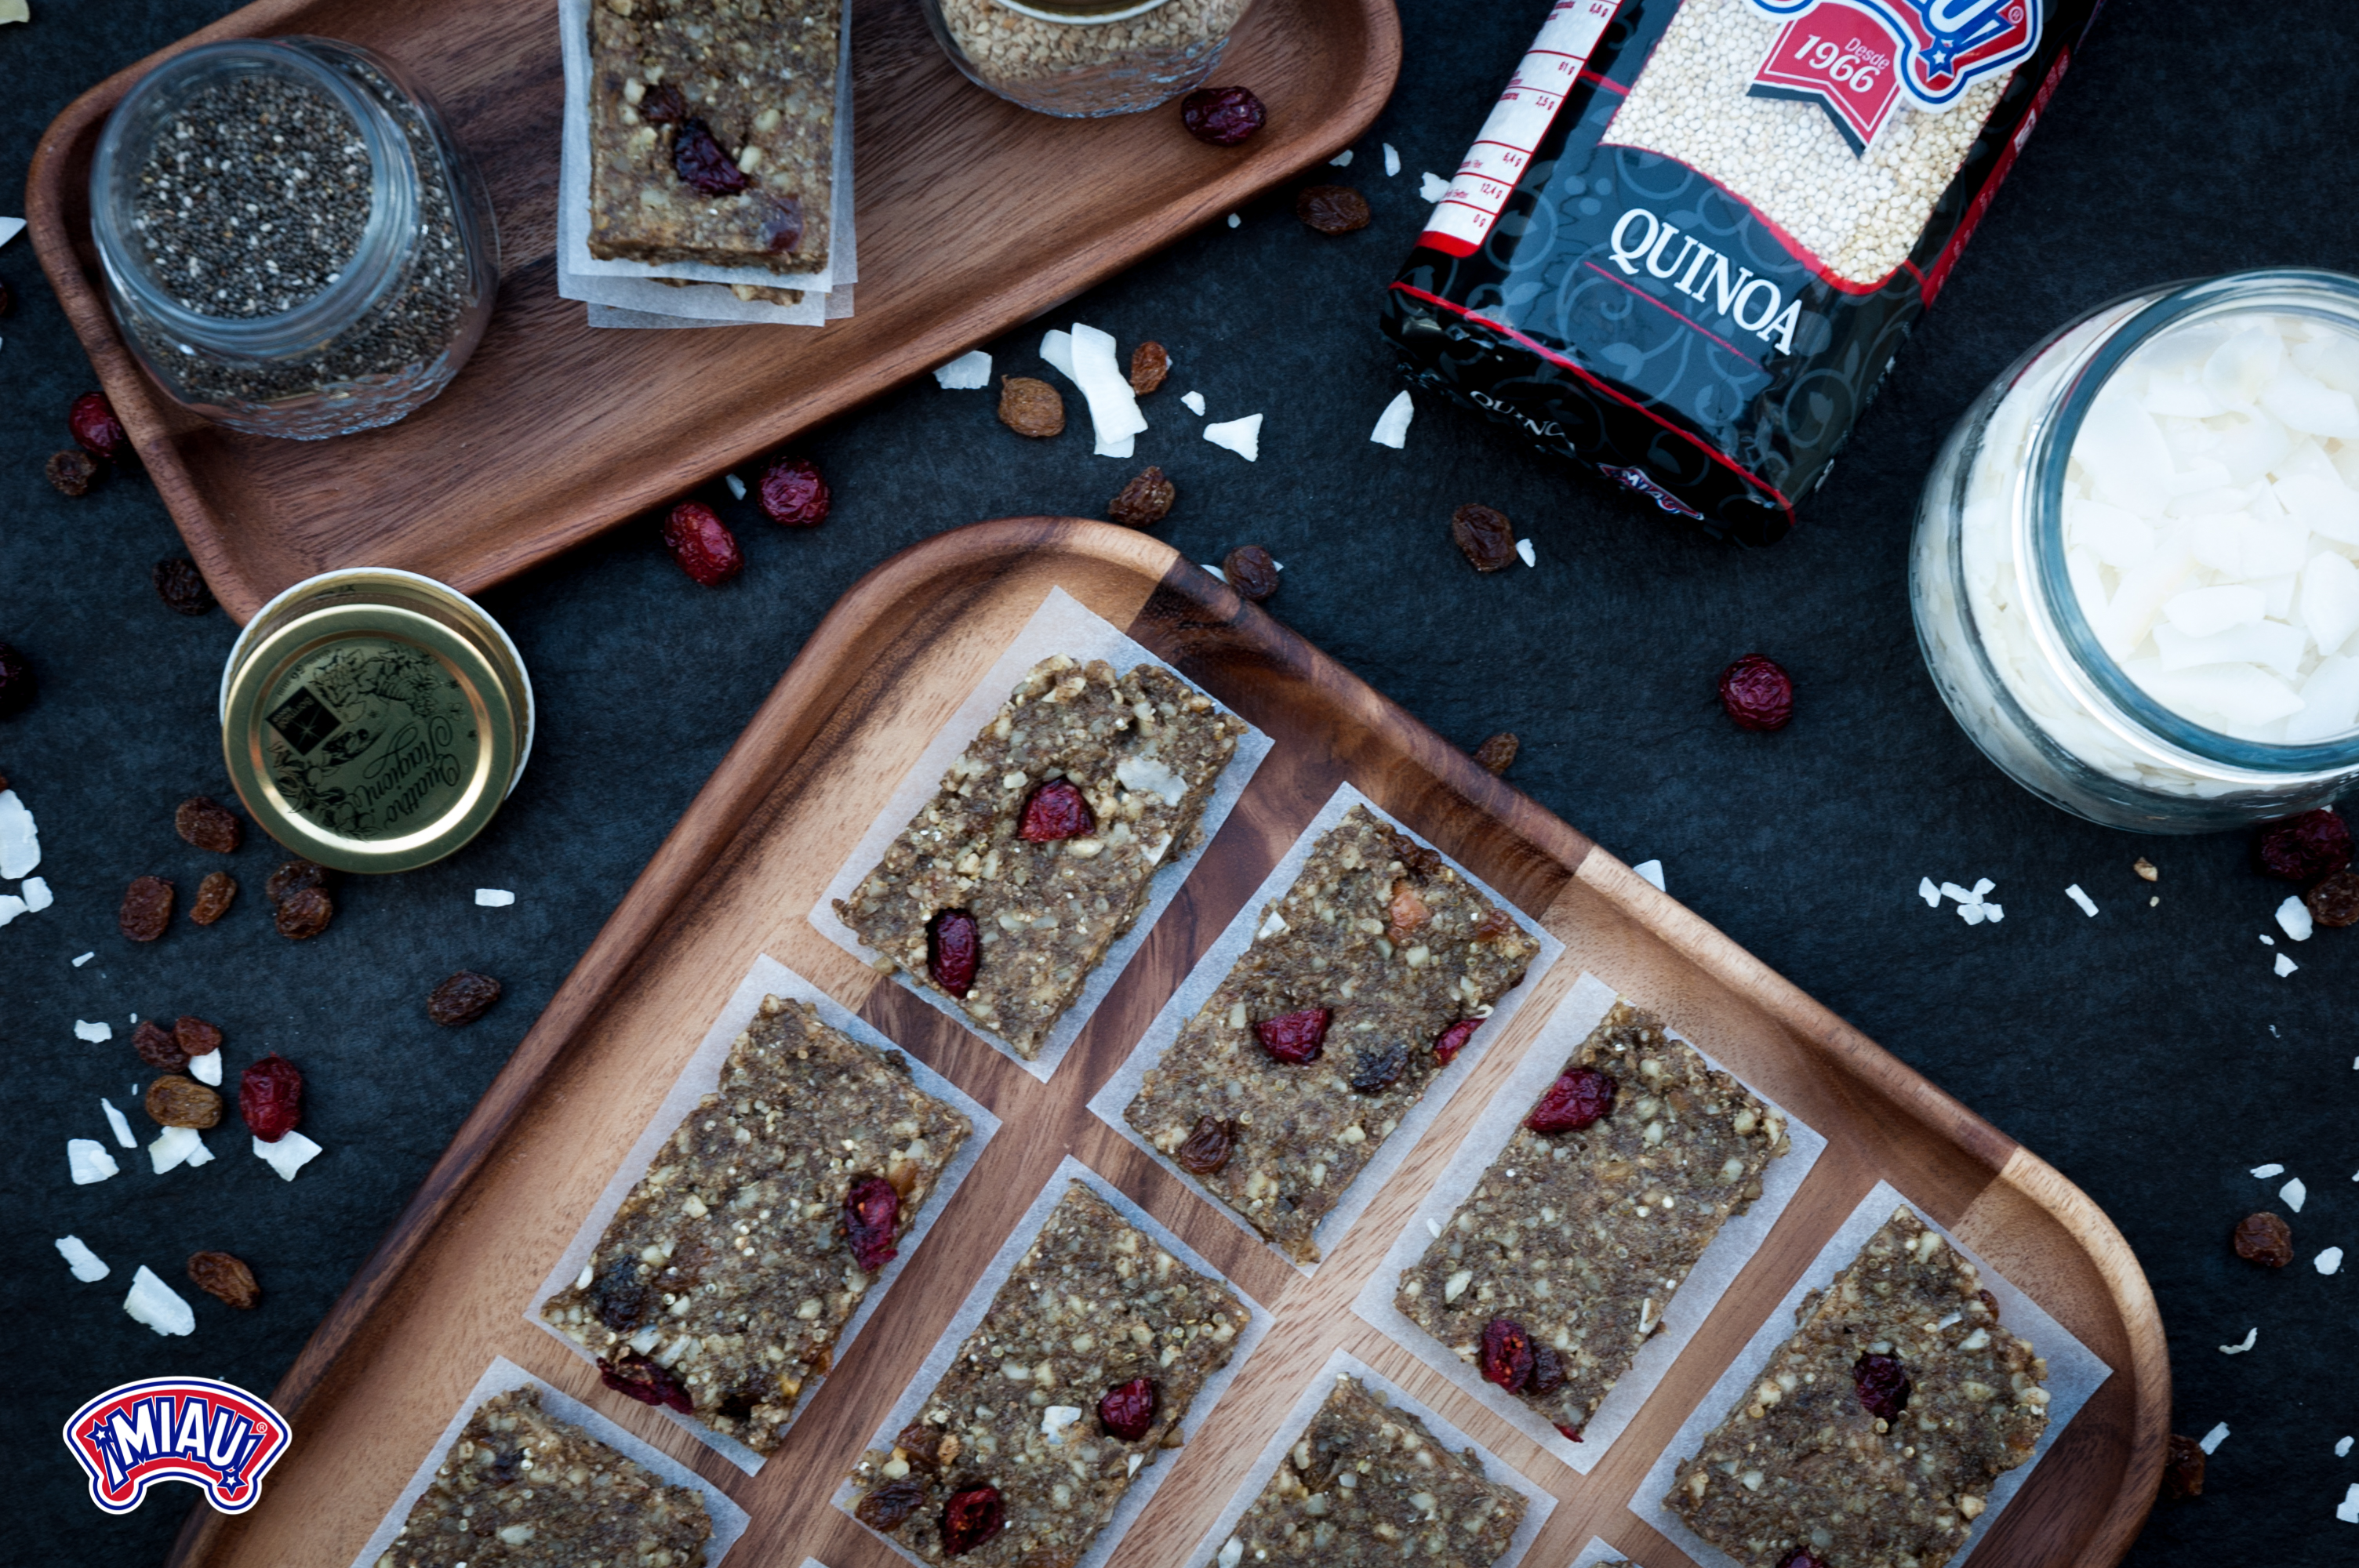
[{"x": 1693, "y": 234}]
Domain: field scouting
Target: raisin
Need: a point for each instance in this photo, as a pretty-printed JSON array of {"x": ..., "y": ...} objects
[
  {"x": 1208, "y": 1146},
  {"x": 1143, "y": 501},
  {"x": 208, "y": 826},
  {"x": 72, "y": 471},
  {"x": 1578, "y": 1097},
  {"x": 1548, "y": 1375},
  {"x": 663, "y": 105},
  {"x": 2305, "y": 849},
  {"x": 2183, "y": 1469},
  {"x": 213, "y": 897},
  {"x": 1030, "y": 406},
  {"x": 870, "y": 1209},
  {"x": 1127, "y": 1410},
  {"x": 1251, "y": 572},
  {"x": 1149, "y": 363},
  {"x": 1756, "y": 693},
  {"x": 462, "y": 999},
  {"x": 1056, "y": 810},
  {"x": 146, "y": 909},
  {"x": 1333, "y": 209},
  {"x": 1507, "y": 1354},
  {"x": 270, "y": 1098},
  {"x": 1798, "y": 1558},
  {"x": 159, "y": 1046},
  {"x": 619, "y": 1296},
  {"x": 702, "y": 543},
  {"x": 921, "y": 1444},
  {"x": 782, "y": 222},
  {"x": 1452, "y": 1040},
  {"x": 2335, "y": 900},
  {"x": 2266, "y": 1239},
  {"x": 1295, "y": 1036},
  {"x": 293, "y": 878},
  {"x": 1221, "y": 117},
  {"x": 1415, "y": 857},
  {"x": 793, "y": 493},
  {"x": 634, "y": 1377},
  {"x": 1406, "y": 912},
  {"x": 953, "y": 950},
  {"x": 16, "y": 681},
  {"x": 175, "y": 1102},
  {"x": 1498, "y": 754},
  {"x": 195, "y": 1037},
  {"x": 1376, "y": 1068},
  {"x": 181, "y": 585},
  {"x": 887, "y": 1508},
  {"x": 1883, "y": 1384},
  {"x": 1494, "y": 926},
  {"x": 304, "y": 913},
  {"x": 224, "y": 1278},
  {"x": 703, "y": 162},
  {"x": 1484, "y": 535},
  {"x": 972, "y": 1518},
  {"x": 8, "y": 299},
  {"x": 96, "y": 428}
]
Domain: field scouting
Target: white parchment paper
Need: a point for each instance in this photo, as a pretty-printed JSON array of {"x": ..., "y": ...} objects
[
  {"x": 1597, "y": 1552},
  {"x": 1110, "y": 1101},
  {"x": 699, "y": 1078},
  {"x": 729, "y": 1521},
  {"x": 1061, "y": 625},
  {"x": 2074, "y": 1372},
  {"x": 1582, "y": 1010},
  {"x": 839, "y": 306},
  {"x": 970, "y": 1315},
  {"x": 1314, "y": 1394}
]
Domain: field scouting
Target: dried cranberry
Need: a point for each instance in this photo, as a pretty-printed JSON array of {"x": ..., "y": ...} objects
[
  {"x": 2266, "y": 1239},
  {"x": 1127, "y": 1410},
  {"x": 96, "y": 428},
  {"x": 1508, "y": 1357},
  {"x": 181, "y": 585},
  {"x": 1883, "y": 1384},
  {"x": 2335, "y": 900},
  {"x": 972, "y": 1518},
  {"x": 702, "y": 543},
  {"x": 1221, "y": 117},
  {"x": 870, "y": 1209},
  {"x": 147, "y": 911},
  {"x": 1571, "y": 1433},
  {"x": 663, "y": 105},
  {"x": 1295, "y": 1036},
  {"x": 1207, "y": 1145},
  {"x": 1333, "y": 209},
  {"x": 1056, "y": 810},
  {"x": 1484, "y": 535},
  {"x": 2306, "y": 848},
  {"x": 204, "y": 824},
  {"x": 1379, "y": 1068},
  {"x": 1798, "y": 1558},
  {"x": 72, "y": 471},
  {"x": 887, "y": 1508},
  {"x": 793, "y": 493},
  {"x": 1578, "y": 1097},
  {"x": 16, "y": 681},
  {"x": 2183, "y": 1469},
  {"x": 634, "y": 1377},
  {"x": 1548, "y": 1370},
  {"x": 1251, "y": 572},
  {"x": 270, "y": 1098},
  {"x": 703, "y": 162},
  {"x": 953, "y": 950},
  {"x": 1756, "y": 693},
  {"x": 1498, "y": 754},
  {"x": 1452, "y": 1040},
  {"x": 159, "y": 1046}
]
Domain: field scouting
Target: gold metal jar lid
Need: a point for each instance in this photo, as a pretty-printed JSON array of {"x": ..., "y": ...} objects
[{"x": 373, "y": 720}]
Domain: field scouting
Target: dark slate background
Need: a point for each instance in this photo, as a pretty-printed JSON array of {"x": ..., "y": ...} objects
[{"x": 2150, "y": 1053}]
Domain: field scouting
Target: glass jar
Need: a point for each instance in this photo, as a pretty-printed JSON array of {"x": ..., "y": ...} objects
[
  {"x": 357, "y": 341},
  {"x": 1079, "y": 59},
  {"x": 2001, "y": 625}
]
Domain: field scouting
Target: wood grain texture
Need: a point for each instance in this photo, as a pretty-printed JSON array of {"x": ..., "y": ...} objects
[
  {"x": 447, "y": 1290},
  {"x": 975, "y": 216}
]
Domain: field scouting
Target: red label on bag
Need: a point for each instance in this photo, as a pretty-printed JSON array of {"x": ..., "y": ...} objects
[{"x": 1842, "y": 58}]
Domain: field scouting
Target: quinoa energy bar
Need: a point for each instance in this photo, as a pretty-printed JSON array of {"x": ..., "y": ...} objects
[
  {"x": 721, "y": 1285},
  {"x": 522, "y": 1489},
  {"x": 1088, "y": 1360},
  {"x": 1872, "y": 1439},
  {"x": 1364, "y": 981},
  {"x": 712, "y": 131},
  {"x": 1038, "y": 848},
  {"x": 1561, "y": 1263},
  {"x": 1368, "y": 1485}
]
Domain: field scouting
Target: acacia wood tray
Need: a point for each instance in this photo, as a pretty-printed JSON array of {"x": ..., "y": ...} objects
[
  {"x": 975, "y": 215},
  {"x": 447, "y": 1289}
]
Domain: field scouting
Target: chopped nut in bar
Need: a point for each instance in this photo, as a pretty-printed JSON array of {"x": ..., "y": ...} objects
[
  {"x": 1364, "y": 981},
  {"x": 721, "y": 1284}
]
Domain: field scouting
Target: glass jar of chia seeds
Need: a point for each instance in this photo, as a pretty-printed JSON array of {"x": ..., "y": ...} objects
[
  {"x": 1084, "y": 58},
  {"x": 293, "y": 244}
]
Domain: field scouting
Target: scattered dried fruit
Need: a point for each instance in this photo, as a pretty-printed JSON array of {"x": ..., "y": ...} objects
[
  {"x": 1295, "y": 1036},
  {"x": 1145, "y": 501},
  {"x": 462, "y": 999},
  {"x": 175, "y": 1102},
  {"x": 1756, "y": 693},
  {"x": 209, "y": 826},
  {"x": 703, "y": 162},
  {"x": 1149, "y": 363},
  {"x": 181, "y": 585},
  {"x": 8, "y": 299},
  {"x": 887, "y": 1508},
  {"x": 1128, "y": 1409},
  {"x": 2306, "y": 848},
  {"x": 1883, "y": 1384},
  {"x": 16, "y": 681},
  {"x": 1251, "y": 572},
  {"x": 1577, "y": 1098},
  {"x": 634, "y": 1377},
  {"x": 96, "y": 428},
  {"x": 225, "y": 1279},
  {"x": 159, "y": 1046},
  {"x": 1799, "y": 1558},
  {"x": 793, "y": 493},
  {"x": 270, "y": 1098},
  {"x": 663, "y": 105},
  {"x": 1406, "y": 912},
  {"x": 1030, "y": 406},
  {"x": 1378, "y": 1067},
  {"x": 1498, "y": 754},
  {"x": 921, "y": 1444},
  {"x": 2335, "y": 900},
  {"x": 213, "y": 897},
  {"x": 293, "y": 878},
  {"x": 1507, "y": 1354},
  {"x": 1055, "y": 811},
  {"x": 1484, "y": 535},
  {"x": 304, "y": 913},
  {"x": 971, "y": 1519},
  {"x": 2265, "y": 1239},
  {"x": 146, "y": 909},
  {"x": 870, "y": 1209},
  {"x": 2183, "y": 1469},
  {"x": 195, "y": 1037},
  {"x": 1548, "y": 1375},
  {"x": 1452, "y": 1040},
  {"x": 1221, "y": 117},
  {"x": 2145, "y": 869},
  {"x": 72, "y": 471},
  {"x": 953, "y": 950},
  {"x": 1207, "y": 1145},
  {"x": 702, "y": 543},
  {"x": 1333, "y": 209}
]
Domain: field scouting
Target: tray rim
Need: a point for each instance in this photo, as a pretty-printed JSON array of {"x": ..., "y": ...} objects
[{"x": 907, "y": 588}]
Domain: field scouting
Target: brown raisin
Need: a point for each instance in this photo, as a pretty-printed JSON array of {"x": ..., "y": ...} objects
[
  {"x": 1143, "y": 501},
  {"x": 1378, "y": 1067},
  {"x": 1484, "y": 535},
  {"x": 1333, "y": 209},
  {"x": 703, "y": 163},
  {"x": 224, "y": 1278},
  {"x": 887, "y": 1508},
  {"x": 2183, "y": 1469},
  {"x": 293, "y": 878},
  {"x": 1251, "y": 572},
  {"x": 2266, "y": 1239},
  {"x": 2335, "y": 900},
  {"x": 1883, "y": 1385},
  {"x": 1149, "y": 363},
  {"x": 2305, "y": 849},
  {"x": 1548, "y": 1372},
  {"x": 175, "y": 1102},
  {"x": 1030, "y": 406},
  {"x": 209, "y": 826},
  {"x": 146, "y": 909},
  {"x": 213, "y": 897},
  {"x": 96, "y": 428},
  {"x": 195, "y": 1037},
  {"x": 663, "y": 105},
  {"x": 159, "y": 1046},
  {"x": 462, "y": 999},
  {"x": 921, "y": 1444},
  {"x": 304, "y": 914},
  {"x": 181, "y": 585},
  {"x": 1498, "y": 754},
  {"x": 72, "y": 471},
  {"x": 1207, "y": 1145},
  {"x": 16, "y": 681}
]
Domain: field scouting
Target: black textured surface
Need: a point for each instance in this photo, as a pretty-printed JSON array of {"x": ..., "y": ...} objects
[{"x": 2150, "y": 1053}]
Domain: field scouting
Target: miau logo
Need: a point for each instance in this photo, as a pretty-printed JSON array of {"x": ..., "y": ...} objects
[
  {"x": 215, "y": 1436},
  {"x": 1946, "y": 46}
]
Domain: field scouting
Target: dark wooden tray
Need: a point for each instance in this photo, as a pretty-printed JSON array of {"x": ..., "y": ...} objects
[
  {"x": 447, "y": 1289},
  {"x": 975, "y": 215}
]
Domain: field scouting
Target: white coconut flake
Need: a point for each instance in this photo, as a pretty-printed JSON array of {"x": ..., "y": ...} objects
[
  {"x": 1194, "y": 402},
  {"x": 736, "y": 486},
  {"x": 2088, "y": 905},
  {"x": 1432, "y": 187},
  {"x": 2343, "y": 1449},
  {"x": 20, "y": 838},
  {"x": 1434, "y": 1226},
  {"x": 1272, "y": 926},
  {"x": 1929, "y": 892},
  {"x": 1341, "y": 159},
  {"x": 178, "y": 1146},
  {"x": 2294, "y": 1194},
  {"x": 1056, "y": 1419},
  {"x": 12, "y": 227},
  {"x": 1242, "y": 436},
  {"x": 1524, "y": 551},
  {"x": 1113, "y": 405},
  {"x": 970, "y": 372},
  {"x": 2250, "y": 1336},
  {"x": 158, "y": 1305},
  {"x": 119, "y": 1123},
  {"x": 287, "y": 1155},
  {"x": 1952, "y": 891},
  {"x": 207, "y": 1069},
  {"x": 1973, "y": 913},
  {"x": 2328, "y": 1261},
  {"x": 2263, "y": 1172},
  {"x": 2293, "y": 919},
  {"x": 1653, "y": 872},
  {"x": 1235, "y": 219},
  {"x": 87, "y": 1266},
  {"x": 2284, "y": 966},
  {"x": 1224, "y": 577},
  {"x": 1392, "y": 160},
  {"x": 493, "y": 898},
  {"x": 1994, "y": 913},
  {"x": 1149, "y": 775},
  {"x": 2348, "y": 1510},
  {"x": 85, "y": 958},
  {"x": 1392, "y": 425},
  {"x": 10, "y": 906},
  {"x": 96, "y": 1033},
  {"x": 2268, "y": 940},
  {"x": 37, "y": 896},
  {"x": 2214, "y": 1438},
  {"x": 1235, "y": 1551},
  {"x": 87, "y": 1160}
]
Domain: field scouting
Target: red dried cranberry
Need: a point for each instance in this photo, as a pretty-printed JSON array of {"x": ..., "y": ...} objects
[
  {"x": 793, "y": 493},
  {"x": 1884, "y": 1387},
  {"x": 1295, "y": 1036},
  {"x": 702, "y": 543},
  {"x": 2306, "y": 848},
  {"x": 1223, "y": 116},
  {"x": 953, "y": 950},
  {"x": 870, "y": 1209},
  {"x": 96, "y": 428},
  {"x": 1507, "y": 1354},
  {"x": 1572, "y": 1434},
  {"x": 1798, "y": 1558},
  {"x": 1577, "y": 1098},
  {"x": 889, "y": 1507},
  {"x": 1756, "y": 693},
  {"x": 1055, "y": 811},
  {"x": 703, "y": 162},
  {"x": 634, "y": 1377},
  {"x": 972, "y": 1518},
  {"x": 1452, "y": 1040},
  {"x": 270, "y": 1098},
  {"x": 1548, "y": 1370},
  {"x": 1128, "y": 1409}
]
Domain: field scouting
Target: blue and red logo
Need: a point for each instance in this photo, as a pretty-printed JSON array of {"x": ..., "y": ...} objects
[
  {"x": 1945, "y": 46},
  {"x": 214, "y": 1436}
]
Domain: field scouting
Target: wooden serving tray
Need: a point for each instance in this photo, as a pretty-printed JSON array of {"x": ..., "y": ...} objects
[
  {"x": 975, "y": 215},
  {"x": 447, "y": 1289}
]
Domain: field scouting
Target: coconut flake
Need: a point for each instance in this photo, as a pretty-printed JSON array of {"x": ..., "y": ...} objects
[
  {"x": 36, "y": 894},
  {"x": 1929, "y": 892},
  {"x": 2348, "y": 1510},
  {"x": 1994, "y": 913},
  {"x": 10, "y": 906},
  {"x": 1056, "y": 1419},
  {"x": 2284, "y": 966},
  {"x": 1272, "y": 925},
  {"x": 287, "y": 1155},
  {"x": 158, "y": 1305},
  {"x": 1233, "y": 1552},
  {"x": 87, "y": 1160},
  {"x": 1089, "y": 364},
  {"x": 87, "y": 1266},
  {"x": 1653, "y": 872},
  {"x": 1150, "y": 775},
  {"x": 2214, "y": 1438},
  {"x": 1392, "y": 425},
  {"x": 493, "y": 898},
  {"x": 2263, "y": 1172},
  {"x": 207, "y": 1069},
  {"x": 120, "y": 1125},
  {"x": 1973, "y": 913},
  {"x": 1952, "y": 891},
  {"x": 1432, "y": 187},
  {"x": 2250, "y": 1336},
  {"x": 1235, "y": 219},
  {"x": 2088, "y": 905},
  {"x": 2268, "y": 940},
  {"x": 178, "y": 1146},
  {"x": 20, "y": 838},
  {"x": 1194, "y": 402},
  {"x": 970, "y": 372},
  {"x": 2294, "y": 1194},
  {"x": 85, "y": 958},
  {"x": 2328, "y": 1261},
  {"x": 1242, "y": 436},
  {"x": 12, "y": 227},
  {"x": 1341, "y": 159},
  {"x": 1392, "y": 160},
  {"x": 2293, "y": 919},
  {"x": 736, "y": 486},
  {"x": 2343, "y": 1449}
]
